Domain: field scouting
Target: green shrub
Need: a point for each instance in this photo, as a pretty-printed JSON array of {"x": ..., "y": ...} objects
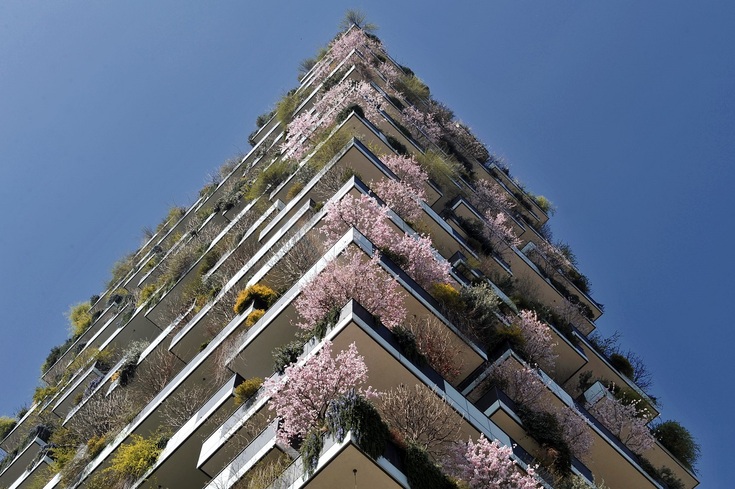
[
  {"x": 328, "y": 150},
  {"x": 120, "y": 269},
  {"x": 413, "y": 88},
  {"x": 146, "y": 293},
  {"x": 133, "y": 459},
  {"x": 287, "y": 354},
  {"x": 310, "y": 450},
  {"x": 254, "y": 317},
  {"x": 269, "y": 178},
  {"x": 294, "y": 190},
  {"x": 6, "y": 425},
  {"x": 263, "y": 119},
  {"x": 329, "y": 320},
  {"x": 286, "y": 107},
  {"x": 440, "y": 170},
  {"x": 344, "y": 113},
  {"x": 261, "y": 296},
  {"x": 354, "y": 413},
  {"x": 79, "y": 318},
  {"x": 422, "y": 472},
  {"x": 545, "y": 428},
  {"x": 43, "y": 392},
  {"x": 407, "y": 341},
  {"x": 397, "y": 146},
  {"x": 247, "y": 389},
  {"x": 448, "y": 296},
  {"x": 679, "y": 441},
  {"x": 622, "y": 364},
  {"x": 544, "y": 203}
]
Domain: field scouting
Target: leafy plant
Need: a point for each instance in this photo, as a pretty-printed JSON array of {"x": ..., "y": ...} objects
[
  {"x": 6, "y": 425},
  {"x": 254, "y": 317},
  {"x": 352, "y": 412},
  {"x": 287, "y": 354},
  {"x": 679, "y": 441},
  {"x": 79, "y": 318},
  {"x": 545, "y": 428},
  {"x": 622, "y": 364},
  {"x": 247, "y": 389},
  {"x": 132, "y": 460},
  {"x": 422, "y": 472},
  {"x": 261, "y": 296},
  {"x": 310, "y": 450}
]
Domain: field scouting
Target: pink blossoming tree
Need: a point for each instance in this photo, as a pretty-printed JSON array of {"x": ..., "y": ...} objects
[
  {"x": 625, "y": 421},
  {"x": 300, "y": 133},
  {"x": 352, "y": 276},
  {"x": 300, "y": 398},
  {"x": 525, "y": 386},
  {"x": 488, "y": 465},
  {"x": 489, "y": 196},
  {"x": 499, "y": 231},
  {"x": 366, "y": 215},
  {"x": 539, "y": 344},
  {"x": 404, "y": 196},
  {"x": 423, "y": 123}
]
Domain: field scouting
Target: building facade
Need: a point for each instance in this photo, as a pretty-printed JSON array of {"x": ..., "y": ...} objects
[{"x": 366, "y": 298}]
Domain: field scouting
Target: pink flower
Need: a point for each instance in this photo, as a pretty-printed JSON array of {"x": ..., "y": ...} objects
[{"x": 301, "y": 396}]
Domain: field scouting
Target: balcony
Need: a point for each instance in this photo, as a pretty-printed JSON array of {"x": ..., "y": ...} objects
[{"x": 177, "y": 464}]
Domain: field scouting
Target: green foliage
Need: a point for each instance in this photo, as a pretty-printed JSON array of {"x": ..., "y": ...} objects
[
  {"x": 679, "y": 441},
  {"x": 358, "y": 18},
  {"x": 545, "y": 428},
  {"x": 175, "y": 213},
  {"x": 285, "y": 355},
  {"x": 448, "y": 296},
  {"x": 263, "y": 119},
  {"x": 310, "y": 450},
  {"x": 544, "y": 203},
  {"x": 146, "y": 293},
  {"x": 269, "y": 179},
  {"x": 407, "y": 341},
  {"x": 440, "y": 170},
  {"x": 294, "y": 190},
  {"x": 622, "y": 364},
  {"x": 43, "y": 392},
  {"x": 422, "y": 473},
  {"x": 354, "y": 413},
  {"x": 511, "y": 335},
  {"x": 328, "y": 150},
  {"x": 413, "y": 89},
  {"x": 254, "y": 317},
  {"x": 286, "y": 107},
  {"x": 261, "y": 296},
  {"x": 330, "y": 319},
  {"x": 95, "y": 445},
  {"x": 664, "y": 474},
  {"x": 120, "y": 269},
  {"x": 247, "y": 389},
  {"x": 344, "y": 113},
  {"x": 397, "y": 146},
  {"x": 6, "y": 425},
  {"x": 132, "y": 460}
]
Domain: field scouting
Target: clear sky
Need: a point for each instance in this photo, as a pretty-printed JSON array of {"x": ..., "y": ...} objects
[{"x": 621, "y": 113}]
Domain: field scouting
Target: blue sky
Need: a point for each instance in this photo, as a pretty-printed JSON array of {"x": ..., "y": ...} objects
[{"x": 621, "y": 113}]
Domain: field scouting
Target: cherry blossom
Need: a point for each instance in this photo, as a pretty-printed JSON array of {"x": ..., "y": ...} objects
[
  {"x": 539, "y": 344},
  {"x": 498, "y": 230},
  {"x": 625, "y": 421},
  {"x": 424, "y": 122},
  {"x": 488, "y": 465},
  {"x": 300, "y": 398},
  {"x": 352, "y": 276},
  {"x": 422, "y": 263}
]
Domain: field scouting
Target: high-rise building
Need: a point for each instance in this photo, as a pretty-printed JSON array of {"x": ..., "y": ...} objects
[{"x": 367, "y": 298}]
